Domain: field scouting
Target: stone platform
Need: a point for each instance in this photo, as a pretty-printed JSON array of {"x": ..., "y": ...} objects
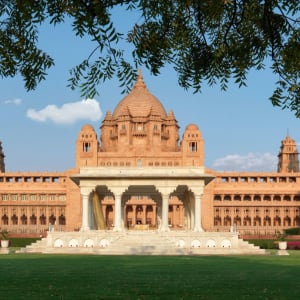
[{"x": 139, "y": 242}]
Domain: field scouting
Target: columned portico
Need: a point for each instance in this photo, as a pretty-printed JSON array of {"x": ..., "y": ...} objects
[{"x": 121, "y": 182}]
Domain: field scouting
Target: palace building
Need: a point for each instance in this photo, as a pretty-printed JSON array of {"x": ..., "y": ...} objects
[{"x": 139, "y": 174}]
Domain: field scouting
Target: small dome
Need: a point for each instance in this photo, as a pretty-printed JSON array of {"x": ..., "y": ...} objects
[
  {"x": 192, "y": 127},
  {"x": 139, "y": 103},
  {"x": 87, "y": 127}
]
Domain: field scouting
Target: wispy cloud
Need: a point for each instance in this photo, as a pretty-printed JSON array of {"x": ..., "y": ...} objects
[
  {"x": 69, "y": 113},
  {"x": 16, "y": 101},
  {"x": 251, "y": 162}
]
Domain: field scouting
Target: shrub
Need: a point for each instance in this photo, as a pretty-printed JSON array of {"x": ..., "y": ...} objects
[
  {"x": 292, "y": 231},
  {"x": 264, "y": 244}
]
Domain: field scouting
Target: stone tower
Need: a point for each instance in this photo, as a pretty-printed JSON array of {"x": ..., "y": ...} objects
[
  {"x": 2, "y": 165},
  {"x": 288, "y": 160}
]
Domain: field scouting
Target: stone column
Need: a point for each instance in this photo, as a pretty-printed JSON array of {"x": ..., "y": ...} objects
[
  {"x": 133, "y": 215},
  {"x": 117, "y": 221},
  {"x": 85, "y": 211},
  {"x": 144, "y": 214},
  {"x": 154, "y": 215},
  {"x": 197, "y": 222},
  {"x": 165, "y": 212}
]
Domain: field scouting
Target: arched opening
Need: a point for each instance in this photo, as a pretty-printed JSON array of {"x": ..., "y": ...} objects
[
  {"x": 4, "y": 219},
  {"x": 287, "y": 221},
  {"x": 247, "y": 221},
  {"x": 43, "y": 220},
  {"x": 52, "y": 219},
  {"x": 267, "y": 221},
  {"x": 33, "y": 220},
  {"x": 14, "y": 220},
  {"x": 217, "y": 221},
  {"x": 24, "y": 220},
  {"x": 227, "y": 221},
  {"x": 277, "y": 221},
  {"x": 62, "y": 220},
  {"x": 237, "y": 220},
  {"x": 257, "y": 221},
  {"x": 297, "y": 221}
]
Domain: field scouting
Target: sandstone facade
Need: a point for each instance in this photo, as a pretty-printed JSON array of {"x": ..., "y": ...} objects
[{"x": 140, "y": 175}]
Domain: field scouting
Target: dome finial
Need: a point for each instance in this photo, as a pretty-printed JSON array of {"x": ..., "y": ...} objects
[{"x": 139, "y": 81}]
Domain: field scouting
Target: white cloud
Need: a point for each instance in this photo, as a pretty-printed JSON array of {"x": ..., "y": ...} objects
[
  {"x": 251, "y": 162},
  {"x": 87, "y": 109},
  {"x": 16, "y": 101}
]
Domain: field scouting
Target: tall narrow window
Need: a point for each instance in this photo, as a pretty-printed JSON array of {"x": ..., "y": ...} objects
[
  {"x": 86, "y": 147},
  {"x": 193, "y": 147}
]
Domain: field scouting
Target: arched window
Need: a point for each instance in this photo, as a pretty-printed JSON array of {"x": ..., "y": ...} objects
[
  {"x": 62, "y": 220},
  {"x": 227, "y": 221},
  {"x": 257, "y": 221},
  {"x": 4, "y": 219},
  {"x": 14, "y": 220},
  {"x": 24, "y": 220},
  {"x": 43, "y": 220},
  {"x": 52, "y": 219},
  {"x": 267, "y": 221},
  {"x": 33, "y": 220}
]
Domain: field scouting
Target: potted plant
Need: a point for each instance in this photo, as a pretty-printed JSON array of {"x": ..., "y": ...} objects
[
  {"x": 282, "y": 243},
  {"x": 4, "y": 238}
]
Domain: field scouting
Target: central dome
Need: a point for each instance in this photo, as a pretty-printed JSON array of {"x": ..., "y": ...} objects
[{"x": 139, "y": 103}]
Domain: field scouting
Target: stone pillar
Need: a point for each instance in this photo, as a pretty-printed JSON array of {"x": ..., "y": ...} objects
[
  {"x": 118, "y": 213},
  {"x": 144, "y": 214},
  {"x": 165, "y": 212},
  {"x": 198, "y": 206},
  {"x": 154, "y": 215},
  {"x": 85, "y": 212},
  {"x": 133, "y": 215}
]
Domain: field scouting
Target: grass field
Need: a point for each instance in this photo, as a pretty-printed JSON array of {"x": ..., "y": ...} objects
[{"x": 32, "y": 276}]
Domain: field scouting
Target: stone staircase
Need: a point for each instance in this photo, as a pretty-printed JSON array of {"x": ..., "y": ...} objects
[
  {"x": 140, "y": 242},
  {"x": 143, "y": 243},
  {"x": 37, "y": 247}
]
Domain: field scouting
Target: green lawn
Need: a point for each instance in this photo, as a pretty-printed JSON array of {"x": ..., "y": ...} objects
[{"x": 32, "y": 276}]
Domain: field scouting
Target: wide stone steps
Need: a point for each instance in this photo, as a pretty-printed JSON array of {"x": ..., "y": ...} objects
[{"x": 143, "y": 243}]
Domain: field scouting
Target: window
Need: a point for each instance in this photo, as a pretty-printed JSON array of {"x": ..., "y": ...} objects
[
  {"x": 33, "y": 197},
  {"x": 86, "y": 147},
  {"x": 52, "y": 197},
  {"x": 14, "y": 197},
  {"x": 193, "y": 146},
  {"x": 62, "y": 197},
  {"x": 24, "y": 197},
  {"x": 4, "y": 197}
]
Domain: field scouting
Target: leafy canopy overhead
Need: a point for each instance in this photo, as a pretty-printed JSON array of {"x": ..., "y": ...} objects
[{"x": 207, "y": 41}]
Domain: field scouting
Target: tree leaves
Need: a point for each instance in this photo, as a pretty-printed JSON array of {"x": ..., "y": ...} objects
[{"x": 205, "y": 41}]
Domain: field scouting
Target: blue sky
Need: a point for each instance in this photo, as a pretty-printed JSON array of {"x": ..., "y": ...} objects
[{"x": 241, "y": 129}]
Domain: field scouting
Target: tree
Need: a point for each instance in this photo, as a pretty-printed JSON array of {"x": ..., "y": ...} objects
[{"x": 207, "y": 41}]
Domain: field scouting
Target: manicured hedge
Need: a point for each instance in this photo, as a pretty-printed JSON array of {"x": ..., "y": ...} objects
[
  {"x": 22, "y": 242},
  {"x": 264, "y": 244},
  {"x": 292, "y": 231}
]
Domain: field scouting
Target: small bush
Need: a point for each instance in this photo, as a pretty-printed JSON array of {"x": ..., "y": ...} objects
[
  {"x": 264, "y": 244},
  {"x": 292, "y": 231},
  {"x": 22, "y": 242}
]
